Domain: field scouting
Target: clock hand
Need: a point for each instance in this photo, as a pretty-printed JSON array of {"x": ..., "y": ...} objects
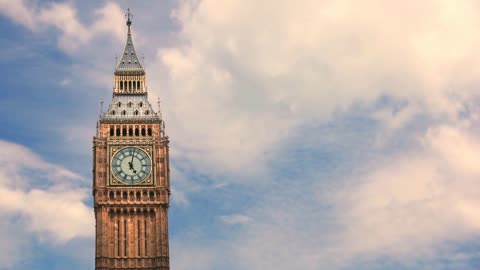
[{"x": 131, "y": 163}]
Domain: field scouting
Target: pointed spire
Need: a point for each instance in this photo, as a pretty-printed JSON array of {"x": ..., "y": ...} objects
[{"x": 129, "y": 63}]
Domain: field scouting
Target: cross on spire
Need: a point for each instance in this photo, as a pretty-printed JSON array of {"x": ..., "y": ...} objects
[{"x": 129, "y": 17}]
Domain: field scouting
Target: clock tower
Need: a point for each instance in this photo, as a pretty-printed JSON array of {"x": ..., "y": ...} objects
[{"x": 131, "y": 176}]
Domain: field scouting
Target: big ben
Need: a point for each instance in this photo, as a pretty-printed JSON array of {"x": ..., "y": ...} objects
[{"x": 131, "y": 176}]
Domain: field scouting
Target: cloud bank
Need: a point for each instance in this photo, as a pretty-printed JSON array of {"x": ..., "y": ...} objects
[
  {"x": 241, "y": 81},
  {"x": 39, "y": 200}
]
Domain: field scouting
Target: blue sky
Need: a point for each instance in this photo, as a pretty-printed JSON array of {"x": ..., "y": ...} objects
[{"x": 304, "y": 135}]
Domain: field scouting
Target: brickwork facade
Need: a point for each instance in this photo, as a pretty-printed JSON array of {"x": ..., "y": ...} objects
[{"x": 131, "y": 208}]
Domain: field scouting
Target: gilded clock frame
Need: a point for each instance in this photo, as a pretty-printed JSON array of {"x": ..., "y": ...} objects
[{"x": 115, "y": 182}]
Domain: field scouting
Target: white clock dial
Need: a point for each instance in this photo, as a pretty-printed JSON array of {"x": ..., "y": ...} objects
[{"x": 131, "y": 165}]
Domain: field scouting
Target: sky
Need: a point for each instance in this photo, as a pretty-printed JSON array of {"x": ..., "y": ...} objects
[{"x": 304, "y": 134}]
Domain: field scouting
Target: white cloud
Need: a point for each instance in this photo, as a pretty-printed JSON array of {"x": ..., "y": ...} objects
[
  {"x": 245, "y": 76},
  {"x": 46, "y": 200},
  {"x": 410, "y": 208},
  {"x": 242, "y": 81},
  {"x": 235, "y": 219},
  {"x": 18, "y": 11},
  {"x": 63, "y": 17},
  {"x": 411, "y": 204}
]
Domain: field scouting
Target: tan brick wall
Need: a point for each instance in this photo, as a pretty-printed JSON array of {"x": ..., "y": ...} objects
[{"x": 111, "y": 213}]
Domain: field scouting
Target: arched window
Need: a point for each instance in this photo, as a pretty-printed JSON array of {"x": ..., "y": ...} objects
[
  {"x": 130, "y": 196},
  {"x": 110, "y": 195},
  {"x": 124, "y": 112},
  {"x": 129, "y": 85},
  {"x": 138, "y": 196},
  {"x": 143, "y": 131},
  {"x": 149, "y": 131},
  {"x": 147, "y": 112},
  {"x": 135, "y": 112},
  {"x": 138, "y": 84},
  {"x": 119, "y": 104},
  {"x": 130, "y": 131},
  {"x": 124, "y": 195},
  {"x": 124, "y": 131},
  {"x": 113, "y": 112},
  {"x": 136, "y": 131},
  {"x": 140, "y": 104},
  {"x": 118, "y": 131},
  {"x": 112, "y": 131},
  {"x": 152, "y": 196},
  {"x": 129, "y": 104},
  {"x": 121, "y": 85}
]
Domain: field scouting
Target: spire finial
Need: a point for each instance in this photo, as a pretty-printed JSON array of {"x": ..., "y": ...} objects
[
  {"x": 101, "y": 107},
  {"x": 129, "y": 17},
  {"x": 159, "y": 109}
]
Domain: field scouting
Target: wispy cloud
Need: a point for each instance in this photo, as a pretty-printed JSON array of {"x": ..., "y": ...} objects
[
  {"x": 46, "y": 201},
  {"x": 63, "y": 17},
  {"x": 235, "y": 219},
  {"x": 242, "y": 81}
]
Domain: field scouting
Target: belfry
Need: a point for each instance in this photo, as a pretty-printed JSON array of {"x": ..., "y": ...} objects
[{"x": 131, "y": 176}]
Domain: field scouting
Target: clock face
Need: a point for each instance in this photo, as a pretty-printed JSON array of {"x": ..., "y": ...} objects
[{"x": 131, "y": 165}]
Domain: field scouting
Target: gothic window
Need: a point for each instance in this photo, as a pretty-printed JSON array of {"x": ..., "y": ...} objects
[
  {"x": 125, "y": 237},
  {"x": 118, "y": 131},
  {"x": 143, "y": 131},
  {"x": 147, "y": 112},
  {"x": 135, "y": 112},
  {"x": 152, "y": 196},
  {"x": 136, "y": 132},
  {"x": 138, "y": 237},
  {"x": 130, "y": 131},
  {"x": 124, "y": 112},
  {"x": 145, "y": 235},
  {"x": 129, "y": 104},
  {"x": 140, "y": 104},
  {"x": 113, "y": 112},
  {"x": 137, "y": 196},
  {"x": 119, "y": 104},
  {"x": 112, "y": 131},
  {"x": 124, "y": 131},
  {"x": 149, "y": 131},
  {"x": 118, "y": 238}
]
